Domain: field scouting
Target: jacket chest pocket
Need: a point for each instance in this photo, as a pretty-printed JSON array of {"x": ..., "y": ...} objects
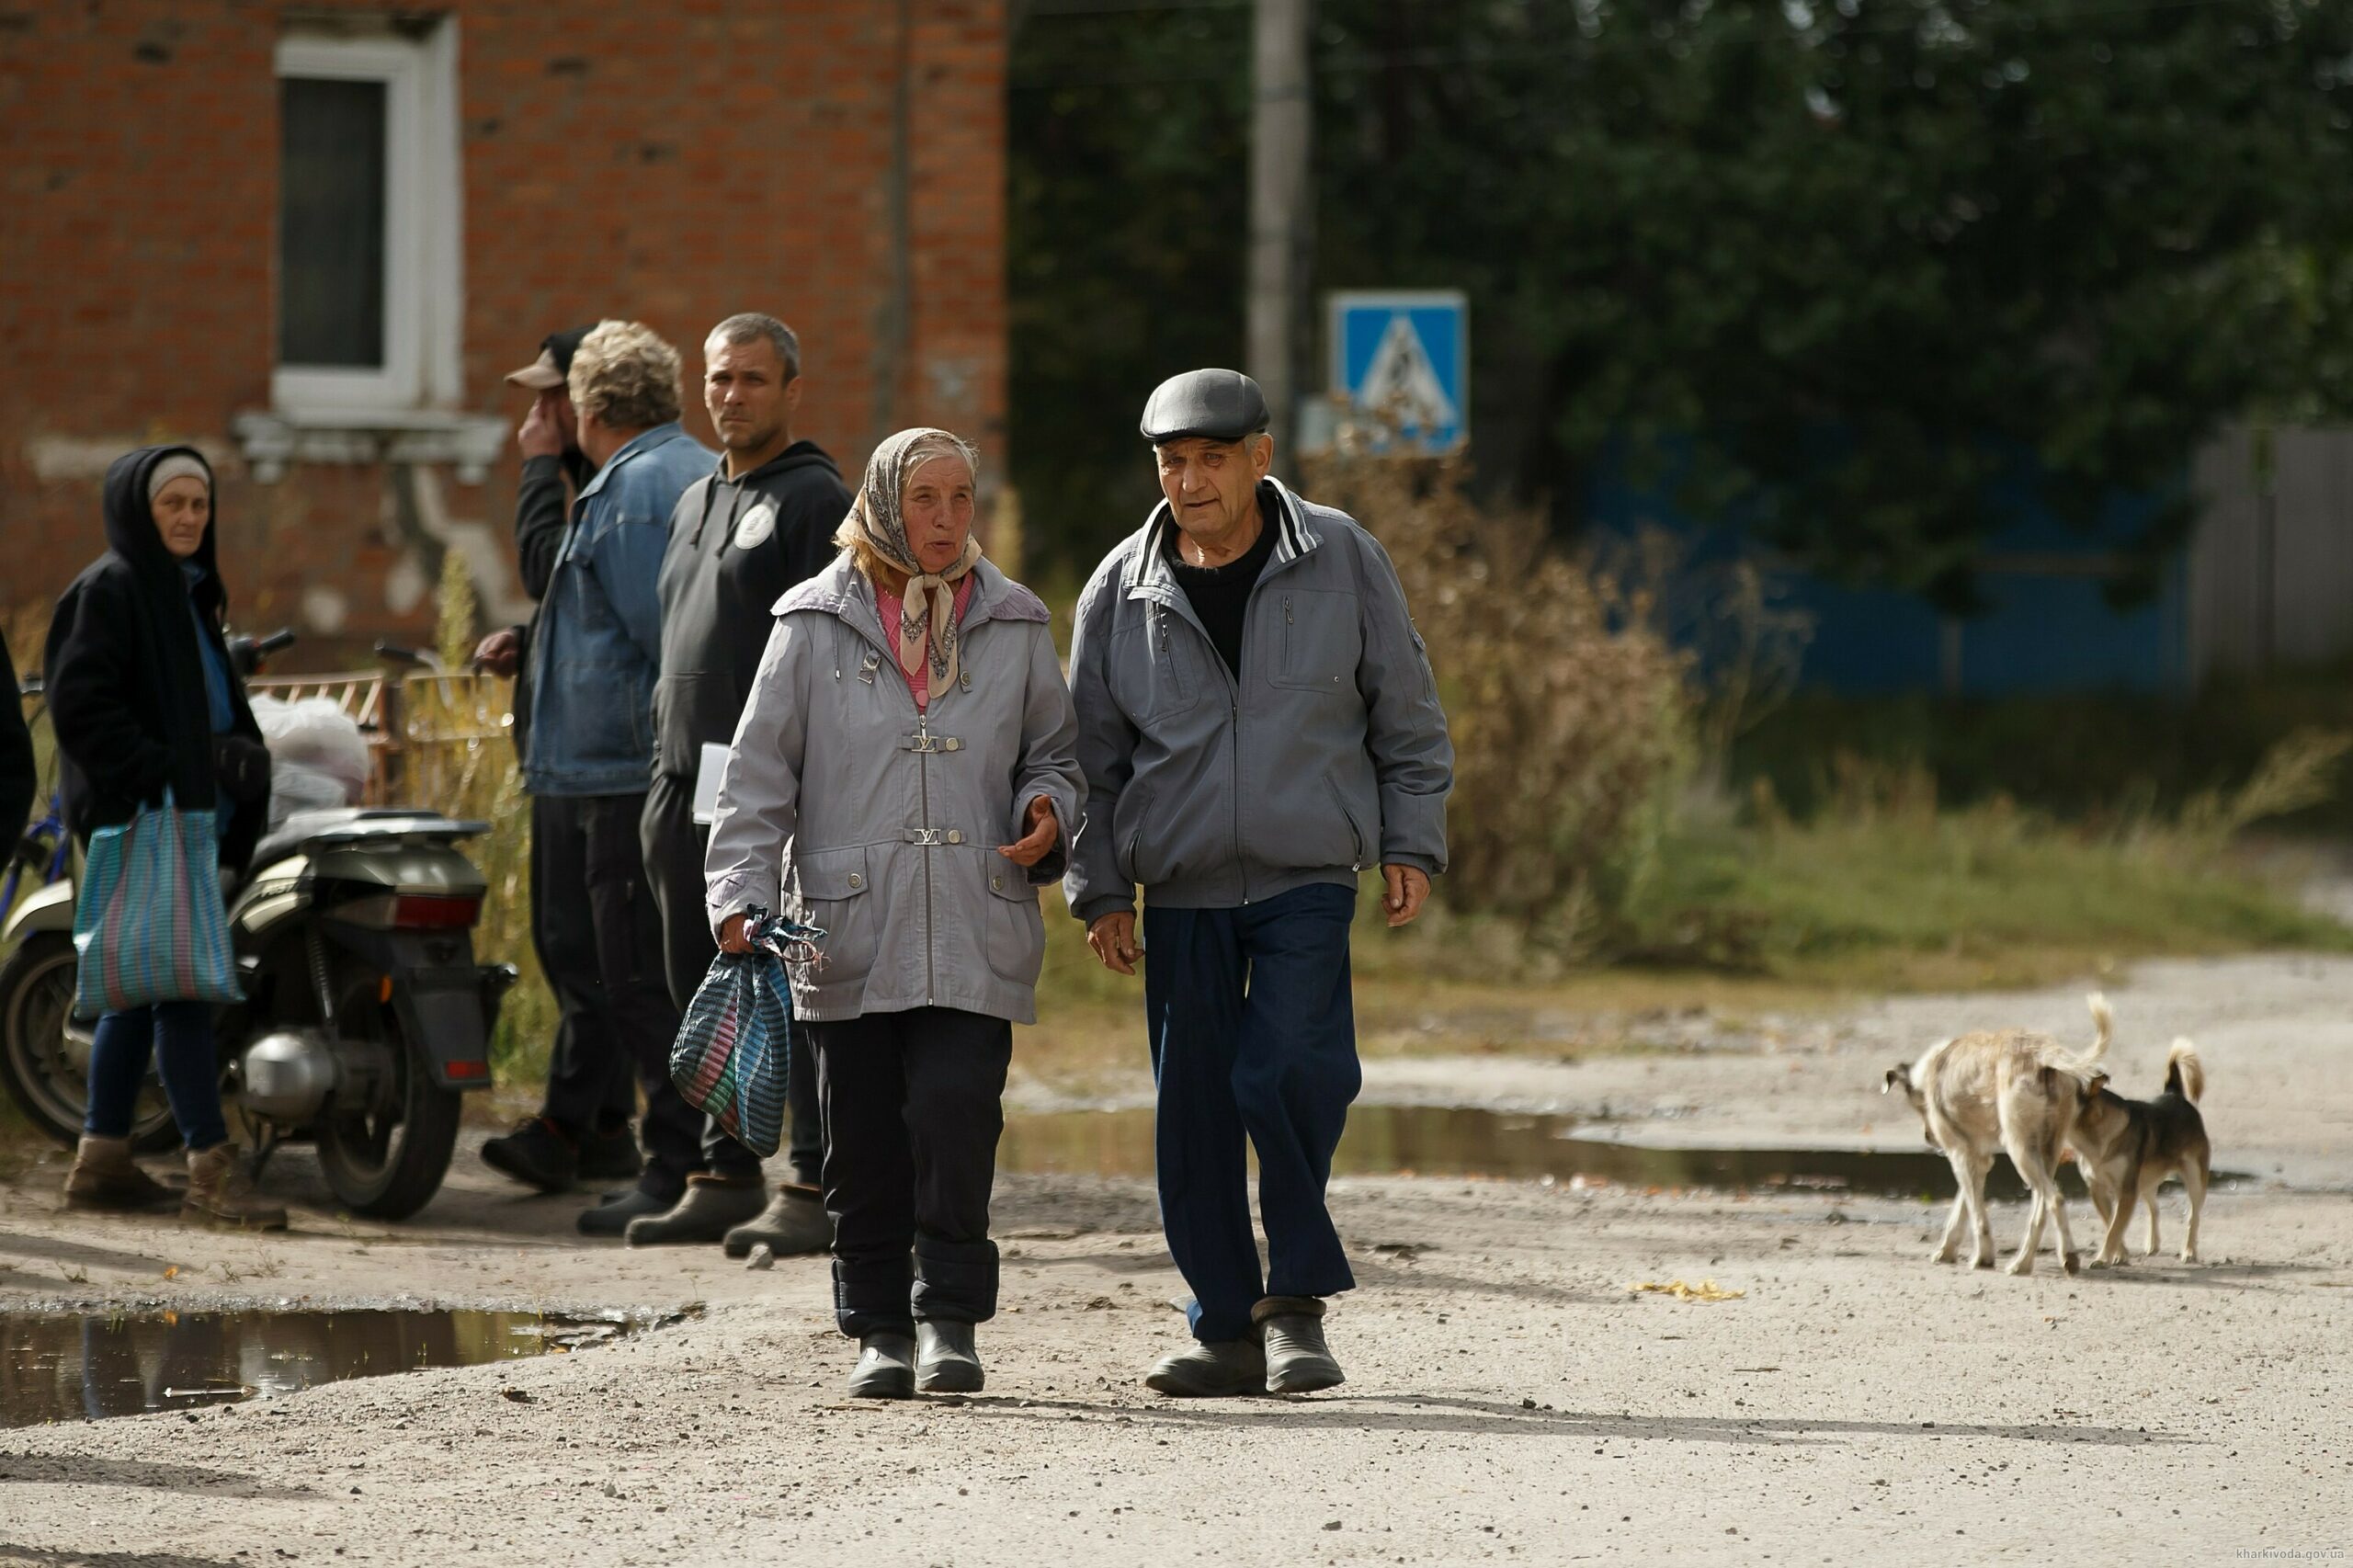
[
  {"x": 1155, "y": 666},
  {"x": 1319, "y": 641}
]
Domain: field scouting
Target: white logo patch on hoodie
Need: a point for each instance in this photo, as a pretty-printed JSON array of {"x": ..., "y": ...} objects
[{"x": 753, "y": 530}]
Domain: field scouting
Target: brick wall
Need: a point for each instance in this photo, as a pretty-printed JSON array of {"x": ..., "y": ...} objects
[{"x": 813, "y": 158}]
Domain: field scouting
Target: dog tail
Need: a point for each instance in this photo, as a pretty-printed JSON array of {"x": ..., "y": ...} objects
[
  {"x": 2184, "y": 1075},
  {"x": 2103, "y": 1025}
]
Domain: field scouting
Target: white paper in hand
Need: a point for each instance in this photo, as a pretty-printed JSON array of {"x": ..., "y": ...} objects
[{"x": 714, "y": 758}]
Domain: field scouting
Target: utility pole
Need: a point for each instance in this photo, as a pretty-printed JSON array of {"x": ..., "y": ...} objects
[{"x": 1279, "y": 212}]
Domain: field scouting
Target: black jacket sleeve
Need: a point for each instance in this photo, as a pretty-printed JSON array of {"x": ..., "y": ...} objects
[
  {"x": 91, "y": 667},
  {"x": 19, "y": 782},
  {"x": 542, "y": 502}
]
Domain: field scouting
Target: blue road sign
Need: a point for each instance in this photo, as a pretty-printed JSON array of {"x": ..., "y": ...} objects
[{"x": 1403, "y": 359}]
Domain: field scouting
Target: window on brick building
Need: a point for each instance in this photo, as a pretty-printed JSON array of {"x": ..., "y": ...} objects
[{"x": 368, "y": 264}]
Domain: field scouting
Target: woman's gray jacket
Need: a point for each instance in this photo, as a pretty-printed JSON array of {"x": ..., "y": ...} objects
[{"x": 880, "y": 824}]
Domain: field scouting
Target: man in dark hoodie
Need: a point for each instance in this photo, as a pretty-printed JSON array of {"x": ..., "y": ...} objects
[
  {"x": 555, "y": 469},
  {"x": 739, "y": 540}
]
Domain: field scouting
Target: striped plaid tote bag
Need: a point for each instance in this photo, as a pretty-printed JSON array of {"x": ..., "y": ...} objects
[
  {"x": 149, "y": 925},
  {"x": 733, "y": 1052}
]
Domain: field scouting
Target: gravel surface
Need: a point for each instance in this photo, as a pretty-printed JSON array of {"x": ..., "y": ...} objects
[{"x": 1510, "y": 1397}]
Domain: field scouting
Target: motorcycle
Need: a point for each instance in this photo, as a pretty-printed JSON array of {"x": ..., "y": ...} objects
[{"x": 366, "y": 1018}]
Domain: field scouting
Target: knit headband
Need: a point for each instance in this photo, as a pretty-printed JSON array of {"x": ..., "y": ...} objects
[{"x": 179, "y": 465}]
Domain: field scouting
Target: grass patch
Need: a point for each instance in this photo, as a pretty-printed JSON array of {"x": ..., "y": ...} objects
[{"x": 1984, "y": 898}]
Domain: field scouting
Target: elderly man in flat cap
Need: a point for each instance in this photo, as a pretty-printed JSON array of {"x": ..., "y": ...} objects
[{"x": 1259, "y": 727}]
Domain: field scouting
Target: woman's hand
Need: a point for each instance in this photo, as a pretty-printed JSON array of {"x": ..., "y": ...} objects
[
  {"x": 731, "y": 935},
  {"x": 1043, "y": 831},
  {"x": 241, "y": 768}
]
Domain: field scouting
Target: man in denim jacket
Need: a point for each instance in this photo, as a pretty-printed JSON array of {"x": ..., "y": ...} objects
[
  {"x": 1258, "y": 726},
  {"x": 594, "y": 658}
]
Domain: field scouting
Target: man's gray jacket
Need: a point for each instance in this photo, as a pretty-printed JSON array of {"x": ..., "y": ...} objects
[{"x": 1327, "y": 756}]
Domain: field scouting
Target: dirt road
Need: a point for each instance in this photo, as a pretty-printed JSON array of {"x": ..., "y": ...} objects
[{"x": 1509, "y": 1398}]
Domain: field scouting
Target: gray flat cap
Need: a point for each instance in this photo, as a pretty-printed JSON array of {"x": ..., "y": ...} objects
[{"x": 1223, "y": 405}]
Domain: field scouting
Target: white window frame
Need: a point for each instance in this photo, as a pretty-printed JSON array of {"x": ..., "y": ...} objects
[{"x": 423, "y": 301}]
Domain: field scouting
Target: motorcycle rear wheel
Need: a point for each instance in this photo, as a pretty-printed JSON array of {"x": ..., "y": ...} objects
[
  {"x": 385, "y": 1157},
  {"x": 37, "y": 1061}
]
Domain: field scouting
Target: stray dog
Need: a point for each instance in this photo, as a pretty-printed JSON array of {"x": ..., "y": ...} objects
[
  {"x": 2127, "y": 1147},
  {"x": 2007, "y": 1089}
]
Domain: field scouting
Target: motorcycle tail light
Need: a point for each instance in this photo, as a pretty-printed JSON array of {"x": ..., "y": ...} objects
[
  {"x": 422, "y": 911},
  {"x": 412, "y": 911}
]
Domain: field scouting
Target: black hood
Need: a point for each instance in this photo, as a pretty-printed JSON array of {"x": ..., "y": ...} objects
[{"x": 131, "y": 533}]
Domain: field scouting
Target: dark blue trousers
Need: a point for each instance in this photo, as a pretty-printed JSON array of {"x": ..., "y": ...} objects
[
  {"x": 1253, "y": 1034},
  {"x": 178, "y": 1035}
]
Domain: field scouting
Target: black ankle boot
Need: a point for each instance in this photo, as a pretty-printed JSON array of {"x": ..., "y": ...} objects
[
  {"x": 947, "y": 1362},
  {"x": 886, "y": 1367}
]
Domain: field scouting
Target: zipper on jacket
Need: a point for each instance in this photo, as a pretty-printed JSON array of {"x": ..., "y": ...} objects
[{"x": 923, "y": 785}]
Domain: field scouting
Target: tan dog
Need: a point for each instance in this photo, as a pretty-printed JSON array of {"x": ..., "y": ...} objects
[
  {"x": 2011, "y": 1090},
  {"x": 2127, "y": 1147}
]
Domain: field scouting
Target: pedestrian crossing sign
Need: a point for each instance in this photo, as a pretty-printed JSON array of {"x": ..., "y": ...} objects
[{"x": 1403, "y": 359}]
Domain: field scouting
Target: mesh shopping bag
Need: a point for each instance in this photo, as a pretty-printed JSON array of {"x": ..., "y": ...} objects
[
  {"x": 734, "y": 1052},
  {"x": 148, "y": 921}
]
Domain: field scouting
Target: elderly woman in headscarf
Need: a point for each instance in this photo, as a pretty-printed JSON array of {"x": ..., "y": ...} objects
[
  {"x": 145, "y": 703},
  {"x": 904, "y": 778}
]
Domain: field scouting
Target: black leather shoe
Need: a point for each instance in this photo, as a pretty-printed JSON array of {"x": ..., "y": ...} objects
[
  {"x": 1210, "y": 1371},
  {"x": 946, "y": 1361},
  {"x": 1298, "y": 1361},
  {"x": 612, "y": 1218},
  {"x": 536, "y": 1154},
  {"x": 611, "y": 1157},
  {"x": 886, "y": 1367}
]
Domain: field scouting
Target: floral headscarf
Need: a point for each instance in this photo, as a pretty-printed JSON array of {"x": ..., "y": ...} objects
[{"x": 926, "y": 631}]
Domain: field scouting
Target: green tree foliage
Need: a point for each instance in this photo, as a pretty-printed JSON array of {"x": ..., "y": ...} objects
[{"x": 1847, "y": 261}]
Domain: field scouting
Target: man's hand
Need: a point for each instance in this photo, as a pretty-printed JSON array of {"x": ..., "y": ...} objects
[
  {"x": 1040, "y": 841},
  {"x": 500, "y": 653},
  {"x": 1113, "y": 937},
  {"x": 542, "y": 436},
  {"x": 1409, "y": 889},
  {"x": 731, "y": 935}
]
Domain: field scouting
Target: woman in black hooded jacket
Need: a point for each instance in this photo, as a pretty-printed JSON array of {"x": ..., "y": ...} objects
[{"x": 143, "y": 699}]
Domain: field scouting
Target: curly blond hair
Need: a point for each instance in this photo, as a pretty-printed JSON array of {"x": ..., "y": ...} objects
[{"x": 625, "y": 375}]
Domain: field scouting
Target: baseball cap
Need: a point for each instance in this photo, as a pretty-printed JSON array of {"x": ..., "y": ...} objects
[{"x": 554, "y": 363}]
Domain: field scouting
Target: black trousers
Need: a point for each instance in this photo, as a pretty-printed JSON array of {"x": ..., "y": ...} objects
[
  {"x": 601, "y": 941},
  {"x": 619, "y": 1106},
  {"x": 676, "y": 847},
  {"x": 912, "y": 1109}
]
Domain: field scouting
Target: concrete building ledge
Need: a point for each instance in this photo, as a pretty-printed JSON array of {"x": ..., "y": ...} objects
[{"x": 468, "y": 443}]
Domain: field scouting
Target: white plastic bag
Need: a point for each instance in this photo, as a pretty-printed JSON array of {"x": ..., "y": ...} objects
[
  {"x": 316, "y": 735},
  {"x": 297, "y": 787}
]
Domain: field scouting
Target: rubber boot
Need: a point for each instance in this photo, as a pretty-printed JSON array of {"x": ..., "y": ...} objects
[
  {"x": 711, "y": 1207},
  {"x": 1296, "y": 1359},
  {"x": 886, "y": 1367},
  {"x": 220, "y": 1192},
  {"x": 1211, "y": 1371},
  {"x": 106, "y": 1177},
  {"x": 794, "y": 1223},
  {"x": 946, "y": 1361},
  {"x": 614, "y": 1214}
]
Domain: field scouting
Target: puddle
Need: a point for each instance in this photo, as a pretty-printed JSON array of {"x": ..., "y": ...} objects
[
  {"x": 73, "y": 1366},
  {"x": 1440, "y": 1140}
]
